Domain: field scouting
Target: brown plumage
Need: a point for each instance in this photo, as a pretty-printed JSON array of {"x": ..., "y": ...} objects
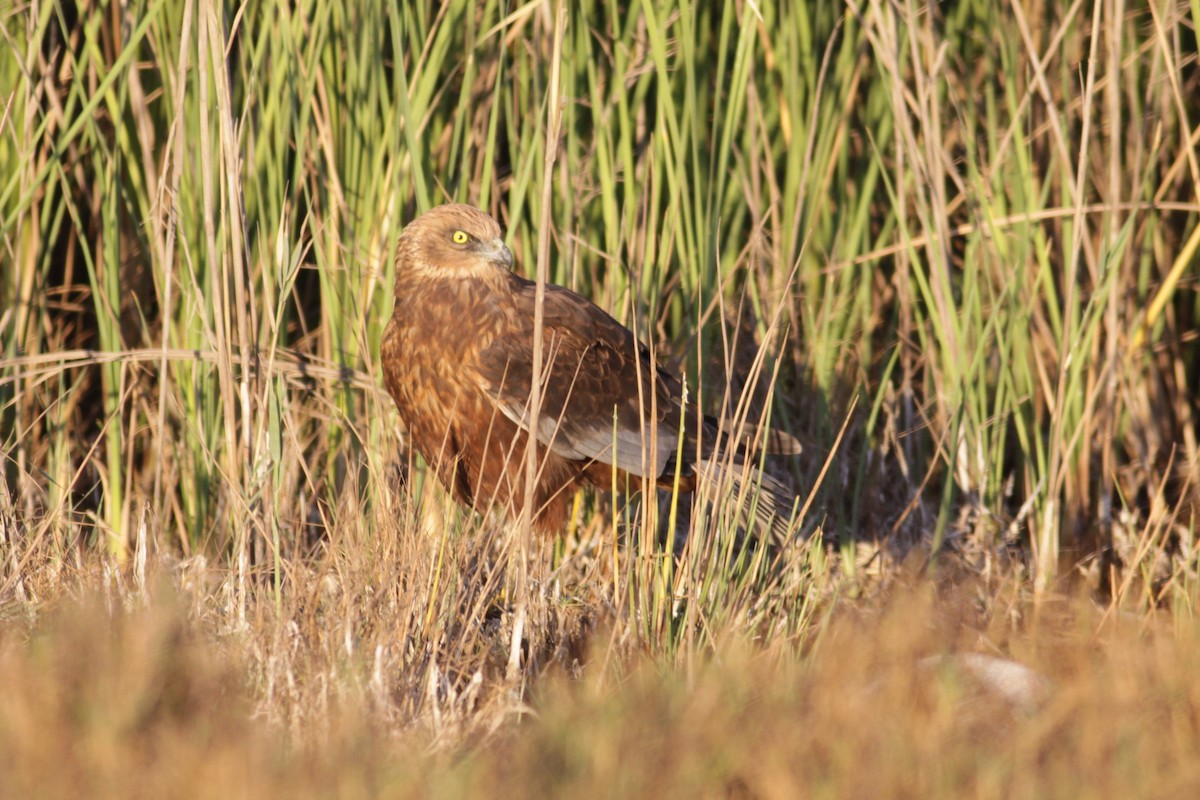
[{"x": 457, "y": 359}]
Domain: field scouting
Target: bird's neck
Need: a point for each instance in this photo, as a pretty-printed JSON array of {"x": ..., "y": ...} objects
[
  {"x": 411, "y": 281},
  {"x": 472, "y": 299}
]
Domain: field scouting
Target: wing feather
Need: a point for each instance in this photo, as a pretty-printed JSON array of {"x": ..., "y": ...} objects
[{"x": 592, "y": 409}]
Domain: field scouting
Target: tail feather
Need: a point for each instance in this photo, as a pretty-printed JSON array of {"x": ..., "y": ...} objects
[
  {"x": 770, "y": 503},
  {"x": 771, "y": 440},
  {"x": 747, "y": 440}
]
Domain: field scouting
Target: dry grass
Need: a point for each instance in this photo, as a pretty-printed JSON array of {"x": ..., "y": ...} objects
[
  {"x": 120, "y": 694},
  {"x": 951, "y": 248}
]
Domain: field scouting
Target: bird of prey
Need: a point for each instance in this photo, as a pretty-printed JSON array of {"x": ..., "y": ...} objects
[{"x": 457, "y": 358}]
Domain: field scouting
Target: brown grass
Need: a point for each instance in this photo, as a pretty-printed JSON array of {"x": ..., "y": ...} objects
[{"x": 116, "y": 693}]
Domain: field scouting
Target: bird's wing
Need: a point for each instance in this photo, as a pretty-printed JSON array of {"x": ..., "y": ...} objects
[{"x": 602, "y": 398}]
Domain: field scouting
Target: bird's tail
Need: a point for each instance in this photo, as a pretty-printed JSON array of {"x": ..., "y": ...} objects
[
  {"x": 772, "y": 441},
  {"x": 724, "y": 458},
  {"x": 766, "y": 505},
  {"x": 746, "y": 440}
]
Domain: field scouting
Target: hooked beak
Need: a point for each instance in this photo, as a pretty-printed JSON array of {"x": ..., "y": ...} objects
[{"x": 497, "y": 251}]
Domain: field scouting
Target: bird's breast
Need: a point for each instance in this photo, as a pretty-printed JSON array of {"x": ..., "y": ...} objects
[
  {"x": 430, "y": 353},
  {"x": 437, "y": 332}
]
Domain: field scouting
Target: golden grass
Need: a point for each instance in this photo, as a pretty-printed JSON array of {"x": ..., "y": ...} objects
[{"x": 119, "y": 693}]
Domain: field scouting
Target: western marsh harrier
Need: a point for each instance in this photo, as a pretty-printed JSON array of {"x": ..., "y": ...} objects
[{"x": 458, "y": 360}]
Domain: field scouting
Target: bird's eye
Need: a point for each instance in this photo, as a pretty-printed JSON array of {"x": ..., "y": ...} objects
[{"x": 460, "y": 237}]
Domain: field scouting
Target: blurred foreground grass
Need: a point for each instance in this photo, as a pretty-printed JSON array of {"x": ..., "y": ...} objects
[
  {"x": 968, "y": 230},
  {"x": 150, "y": 703}
]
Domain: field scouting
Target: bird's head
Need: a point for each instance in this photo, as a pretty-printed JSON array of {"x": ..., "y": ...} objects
[{"x": 453, "y": 240}]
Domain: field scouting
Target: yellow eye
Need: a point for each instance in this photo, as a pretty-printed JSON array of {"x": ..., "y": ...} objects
[{"x": 460, "y": 237}]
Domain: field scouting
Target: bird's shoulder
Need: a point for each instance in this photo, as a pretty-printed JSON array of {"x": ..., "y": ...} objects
[
  {"x": 571, "y": 318},
  {"x": 586, "y": 352}
]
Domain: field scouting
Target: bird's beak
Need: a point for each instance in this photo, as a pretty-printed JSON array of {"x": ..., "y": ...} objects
[{"x": 497, "y": 251}]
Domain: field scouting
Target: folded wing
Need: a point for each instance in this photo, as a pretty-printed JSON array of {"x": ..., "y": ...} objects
[{"x": 602, "y": 398}]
